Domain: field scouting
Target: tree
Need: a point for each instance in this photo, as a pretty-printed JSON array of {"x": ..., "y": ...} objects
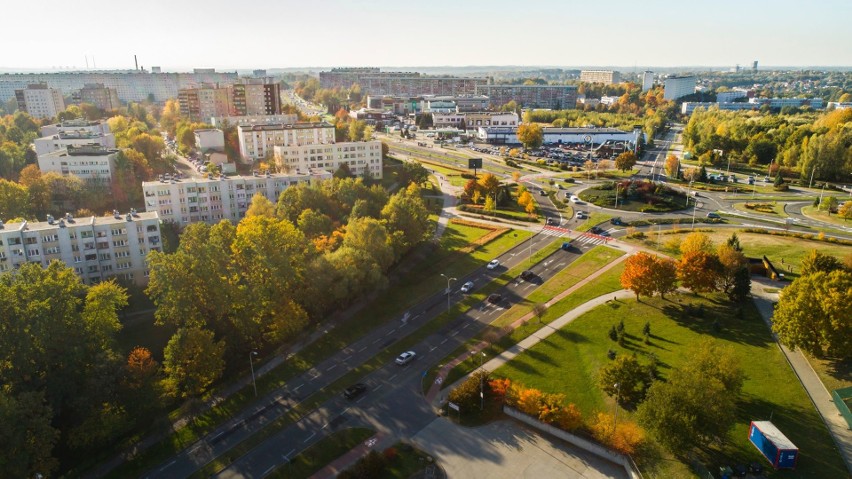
[
  {"x": 260, "y": 206},
  {"x": 490, "y": 204},
  {"x": 313, "y": 223},
  {"x": 829, "y": 203},
  {"x": 694, "y": 242},
  {"x": 489, "y": 183},
  {"x": 525, "y": 199},
  {"x": 539, "y": 309},
  {"x": 407, "y": 218},
  {"x": 530, "y": 135},
  {"x": 28, "y": 438},
  {"x": 698, "y": 271},
  {"x": 531, "y": 208},
  {"x": 638, "y": 274},
  {"x": 466, "y": 395},
  {"x": 193, "y": 361},
  {"x": 742, "y": 286},
  {"x": 731, "y": 261},
  {"x": 625, "y": 161},
  {"x": 371, "y": 236},
  {"x": 815, "y": 262},
  {"x": 672, "y": 166},
  {"x": 697, "y": 404},
  {"x": 14, "y": 200},
  {"x": 413, "y": 172},
  {"x": 343, "y": 171},
  {"x": 813, "y": 314},
  {"x": 702, "y": 175},
  {"x": 626, "y": 378},
  {"x": 845, "y": 211},
  {"x": 664, "y": 276}
]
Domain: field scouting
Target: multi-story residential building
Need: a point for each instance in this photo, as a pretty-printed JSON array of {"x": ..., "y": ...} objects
[
  {"x": 837, "y": 105},
  {"x": 94, "y": 127},
  {"x": 473, "y": 120},
  {"x": 555, "y": 97},
  {"x": 731, "y": 95},
  {"x": 131, "y": 85},
  {"x": 66, "y": 138},
  {"x": 688, "y": 107},
  {"x": 678, "y": 87},
  {"x": 222, "y": 121},
  {"x": 594, "y": 136},
  {"x": 647, "y": 78},
  {"x": 609, "y": 100},
  {"x": 102, "y": 97},
  {"x": 213, "y": 199},
  {"x": 375, "y": 82},
  {"x": 91, "y": 162},
  {"x": 255, "y": 97},
  {"x": 362, "y": 157},
  {"x": 204, "y": 102},
  {"x": 257, "y": 141},
  {"x": 209, "y": 140},
  {"x": 607, "y": 77},
  {"x": 40, "y": 101},
  {"x": 778, "y": 103},
  {"x": 592, "y": 102},
  {"x": 98, "y": 248}
]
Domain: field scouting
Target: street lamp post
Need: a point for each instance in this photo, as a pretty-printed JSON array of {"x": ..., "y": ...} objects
[
  {"x": 481, "y": 386},
  {"x": 694, "y": 207},
  {"x": 688, "y": 191},
  {"x": 811, "y": 183},
  {"x": 819, "y": 207},
  {"x": 251, "y": 365},
  {"x": 617, "y": 397},
  {"x": 616, "y": 195},
  {"x": 448, "y": 290}
]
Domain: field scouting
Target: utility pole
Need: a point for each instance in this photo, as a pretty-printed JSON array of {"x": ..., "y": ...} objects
[
  {"x": 251, "y": 365},
  {"x": 448, "y": 290}
]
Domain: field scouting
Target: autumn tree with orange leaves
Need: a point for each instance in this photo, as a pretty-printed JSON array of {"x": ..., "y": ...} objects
[
  {"x": 699, "y": 271},
  {"x": 638, "y": 274}
]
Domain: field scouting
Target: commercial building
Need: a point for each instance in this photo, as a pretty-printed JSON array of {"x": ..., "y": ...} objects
[
  {"x": 79, "y": 124},
  {"x": 473, "y": 120},
  {"x": 607, "y": 77},
  {"x": 373, "y": 117},
  {"x": 130, "y": 85},
  {"x": 102, "y": 97},
  {"x": 647, "y": 78},
  {"x": 592, "y": 102},
  {"x": 40, "y": 101},
  {"x": 66, "y": 138},
  {"x": 375, "y": 82},
  {"x": 98, "y": 248},
  {"x": 678, "y": 87},
  {"x": 207, "y": 140},
  {"x": 594, "y": 136},
  {"x": 223, "y": 121},
  {"x": 554, "y": 97},
  {"x": 362, "y": 157},
  {"x": 213, "y": 199},
  {"x": 89, "y": 162},
  {"x": 408, "y": 105},
  {"x": 257, "y": 140}
]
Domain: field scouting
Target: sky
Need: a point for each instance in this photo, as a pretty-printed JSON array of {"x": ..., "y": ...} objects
[{"x": 178, "y": 35}]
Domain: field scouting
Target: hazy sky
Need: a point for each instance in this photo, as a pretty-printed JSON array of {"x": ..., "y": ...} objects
[{"x": 228, "y": 34}]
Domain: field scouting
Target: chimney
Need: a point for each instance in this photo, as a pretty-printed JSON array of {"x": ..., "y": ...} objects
[{"x": 135, "y": 62}]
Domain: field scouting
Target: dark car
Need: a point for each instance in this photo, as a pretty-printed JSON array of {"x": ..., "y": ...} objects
[
  {"x": 527, "y": 275},
  {"x": 740, "y": 470},
  {"x": 494, "y": 298},
  {"x": 355, "y": 390},
  {"x": 616, "y": 221}
]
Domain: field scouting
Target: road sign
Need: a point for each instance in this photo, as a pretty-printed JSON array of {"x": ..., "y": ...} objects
[
  {"x": 454, "y": 406},
  {"x": 474, "y": 163}
]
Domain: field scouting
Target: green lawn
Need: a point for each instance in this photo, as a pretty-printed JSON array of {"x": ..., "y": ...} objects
[
  {"x": 822, "y": 215},
  {"x": 323, "y": 452},
  {"x": 568, "y": 362},
  {"x": 777, "y": 210},
  {"x": 594, "y": 220}
]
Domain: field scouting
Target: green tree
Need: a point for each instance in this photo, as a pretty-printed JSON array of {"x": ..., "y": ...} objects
[
  {"x": 626, "y": 378},
  {"x": 313, "y": 223},
  {"x": 260, "y": 206},
  {"x": 407, "y": 219},
  {"x": 370, "y": 235},
  {"x": 625, "y": 161},
  {"x": 829, "y": 204},
  {"x": 100, "y": 313},
  {"x": 731, "y": 262},
  {"x": 193, "y": 361},
  {"x": 813, "y": 314},
  {"x": 413, "y": 172},
  {"x": 343, "y": 171},
  {"x": 530, "y": 135},
  {"x": 14, "y": 200},
  {"x": 702, "y": 174},
  {"x": 664, "y": 276},
  {"x": 28, "y": 436},
  {"x": 466, "y": 395},
  {"x": 815, "y": 262}
]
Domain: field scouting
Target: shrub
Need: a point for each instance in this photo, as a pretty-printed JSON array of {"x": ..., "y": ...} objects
[{"x": 625, "y": 438}]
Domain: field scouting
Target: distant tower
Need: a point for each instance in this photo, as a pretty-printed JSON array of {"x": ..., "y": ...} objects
[
  {"x": 754, "y": 66},
  {"x": 647, "y": 80}
]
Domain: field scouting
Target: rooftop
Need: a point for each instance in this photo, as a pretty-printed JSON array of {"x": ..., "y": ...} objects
[
  {"x": 284, "y": 126},
  {"x": 90, "y": 149},
  {"x": 68, "y": 221},
  {"x": 314, "y": 173}
]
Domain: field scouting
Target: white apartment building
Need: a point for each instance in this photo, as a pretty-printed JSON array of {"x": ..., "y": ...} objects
[
  {"x": 474, "y": 120},
  {"x": 837, "y": 105},
  {"x": 607, "y": 77},
  {"x": 647, "y": 80},
  {"x": 609, "y": 100},
  {"x": 257, "y": 140},
  {"x": 223, "y": 121},
  {"x": 678, "y": 87},
  {"x": 63, "y": 139},
  {"x": 778, "y": 103},
  {"x": 209, "y": 139},
  {"x": 79, "y": 124},
  {"x": 213, "y": 199},
  {"x": 730, "y": 95},
  {"x": 40, "y": 101},
  {"x": 98, "y": 248},
  {"x": 93, "y": 163},
  {"x": 360, "y": 156},
  {"x": 593, "y": 102}
]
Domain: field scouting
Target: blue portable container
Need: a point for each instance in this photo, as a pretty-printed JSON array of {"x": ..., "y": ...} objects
[{"x": 773, "y": 444}]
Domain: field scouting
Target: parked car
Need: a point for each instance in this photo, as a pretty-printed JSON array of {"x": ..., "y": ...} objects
[
  {"x": 467, "y": 287},
  {"x": 494, "y": 298},
  {"x": 527, "y": 275},
  {"x": 713, "y": 215},
  {"x": 493, "y": 264},
  {"x": 355, "y": 390},
  {"x": 581, "y": 215},
  {"x": 405, "y": 358},
  {"x": 616, "y": 221}
]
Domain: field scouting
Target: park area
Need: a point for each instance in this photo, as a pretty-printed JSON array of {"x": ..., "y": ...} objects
[{"x": 635, "y": 195}]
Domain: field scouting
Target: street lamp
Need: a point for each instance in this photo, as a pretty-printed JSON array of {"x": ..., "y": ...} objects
[
  {"x": 819, "y": 207},
  {"x": 615, "y": 416},
  {"x": 448, "y": 290},
  {"x": 688, "y": 191},
  {"x": 481, "y": 386},
  {"x": 251, "y": 365},
  {"x": 616, "y": 195}
]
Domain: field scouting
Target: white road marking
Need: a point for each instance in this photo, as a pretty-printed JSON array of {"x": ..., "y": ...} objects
[
  {"x": 362, "y": 349},
  {"x": 217, "y": 435},
  {"x": 310, "y": 437},
  {"x": 167, "y": 465},
  {"x": 268, "y": 470},
  {"x": 433, "y": 348},
  {"x": 377, "y": 340},
  {"x": 298, "y": 387},
  {"x": 360, "y": 399},
  {"x": 332, "y": 367},
  {"x": 444, "y": 341}
]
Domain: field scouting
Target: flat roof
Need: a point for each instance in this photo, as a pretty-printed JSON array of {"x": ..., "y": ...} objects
[
  {"x": 86, "y": 221},
  {"x": 313, "y": 172},
  {"x": 284, "y": 126},
  {"x": 775, "y": 435}
]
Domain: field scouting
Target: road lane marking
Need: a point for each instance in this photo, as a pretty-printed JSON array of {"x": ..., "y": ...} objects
[
  {"x": 268, "y": 470},
  {"x": 167, "y": 465},
  {"x": 433, "y": 348},
  {"x": 360, "y": 399},
  {"x": 362, "y": 349},
  {"x": 310, "y": 437},
  {"x": 444, "y": 341},
  {"x": 332, "y": 367},
  {"x": 377, "y": 340},
  {"x": 392, "y": 377},
  {"x": 378, "y": 387},
  {"x": 298, "y": 387}
]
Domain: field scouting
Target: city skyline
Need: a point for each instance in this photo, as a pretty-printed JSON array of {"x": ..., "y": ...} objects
[{"x": 441, "y": 34}]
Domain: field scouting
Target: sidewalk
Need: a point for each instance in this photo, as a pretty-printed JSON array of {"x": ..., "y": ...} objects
[{"x": 819, "y": 395}]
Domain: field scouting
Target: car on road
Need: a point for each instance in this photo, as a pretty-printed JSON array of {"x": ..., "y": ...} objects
[
  {"x": 354, "y": 391},
  {"x": 494, "y": 298},
  {"x": 527, "y": 275},
  {"x": 405, "y": 358},
  {"x": 713, "y": 215},
  {"x": 467, "y": 287},
  {"x": 581, "y": 215},
  {"x": 616, "y": 221},
  {"x": 575, "y": 199},
  {"x": 550, "y": 221},
  {"x": 493, "y": 264}
]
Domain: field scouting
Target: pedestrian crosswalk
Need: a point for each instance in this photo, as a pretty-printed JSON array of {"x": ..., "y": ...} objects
[{"x": 584, "y": 238}]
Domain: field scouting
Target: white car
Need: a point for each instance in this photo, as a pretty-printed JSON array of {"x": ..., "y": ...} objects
[
  {"x": 405, "y": 358},
  {"x": 467, "y": 287},
  {"x": 575, "y": 199},
  {"x": 493, "y": 264}
]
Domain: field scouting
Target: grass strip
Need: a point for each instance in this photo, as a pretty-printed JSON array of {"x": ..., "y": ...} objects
[{"x": 323, "y": 452}]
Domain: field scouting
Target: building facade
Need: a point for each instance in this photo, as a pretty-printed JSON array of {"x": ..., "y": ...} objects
[
  {"x": 95, "y": 127},
  {"x": 130, "y": 85},
  {"x": 647, "y": 78},
  {"x": 474, "y": 120},
  {"x": 678, "y": 87},
  {"x": 223, "y": 121},
  {"x": 555, "y": 97},
  {"x": 211, "y": 200},
  {"x": 64, "y": 139},
  {"x": 375, "y": 82},
  {"x": 255, "y": 97},
  {"x": 607, "y": 77},
  {"x": 593, "y": 136},
  {"x": 89, "y": 162},
  {"x": 209, "y": 140},
  {"x": 778, "y": 103},
  {"x": 98, "y": 248},
  {"x": 257, "y": 140},
  {"x": 362, "y": 157},
  {"x": 731, "y": 95},
  {"x": 40, "y": 101},
  {"x": 102, "y": 97}
]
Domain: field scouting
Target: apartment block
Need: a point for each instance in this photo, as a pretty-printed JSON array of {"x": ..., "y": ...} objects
[
  {"x": 102, "y": 97},
  {"x": 607, "y": 77},
  {"x": 66, "y": 138},
  {"x": 647, "y": 78},
  {"x": 362, "y": 157},
  {"x": 257, "y": 140},
  {"x": 98, "y": 248},
  {"x": 474, "y": 120},
  {"x": 40, "y": 101},
  {"x": 201, "y": 104},
  {"x": 255, "y": 97},
  {"x": 375, "y": 82},
  {"x": 678, "y": 87},
  {"x": 213, "y": 199},
  {"x": 554, "y": 97},
  {"x": 90, "y": 162},
  {"x": 223, "y": 121},
  {"x": 209, "y": 140},
  {"x": 101, "y": 127}
]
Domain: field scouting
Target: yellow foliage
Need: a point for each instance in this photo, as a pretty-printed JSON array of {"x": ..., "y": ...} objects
[
  {"x": 530, "y": 401},
  {"x": 626, "y": 437}
]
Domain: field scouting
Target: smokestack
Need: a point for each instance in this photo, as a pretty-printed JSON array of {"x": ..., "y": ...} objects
[
  {"x": 135, "y": 62},
  {"x": 87, "y": 61}
]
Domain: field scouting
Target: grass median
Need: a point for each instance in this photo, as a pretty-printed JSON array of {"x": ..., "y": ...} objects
[{"x": 323, "y": 452}]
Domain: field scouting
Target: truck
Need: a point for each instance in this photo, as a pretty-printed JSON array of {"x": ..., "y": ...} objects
[{"x": 773, "y": 444}]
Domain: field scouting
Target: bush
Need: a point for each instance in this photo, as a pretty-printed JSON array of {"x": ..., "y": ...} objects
[
  {"x": 467, "y": 394},
  {"x": 369, "y": 466},
  {"x": 626, "y": 437}
]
